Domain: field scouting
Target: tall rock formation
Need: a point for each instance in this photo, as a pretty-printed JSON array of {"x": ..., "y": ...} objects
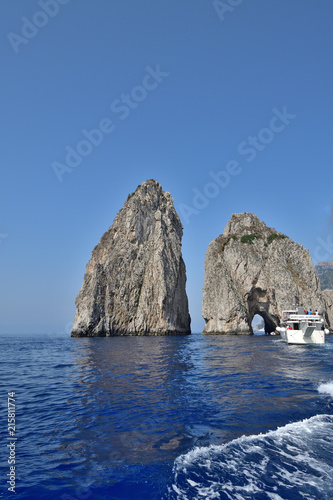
[
  {"x": 253, "y": 269},
  {"x": 134, "y": 283}
]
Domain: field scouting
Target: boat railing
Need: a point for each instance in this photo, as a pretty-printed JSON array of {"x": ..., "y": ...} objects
[{"x": 304, "y": 317}]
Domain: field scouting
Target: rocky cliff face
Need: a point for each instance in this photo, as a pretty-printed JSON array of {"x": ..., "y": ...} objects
[
  {"x": 134, "y": 283},
  {"x": 253, "y": 269}
]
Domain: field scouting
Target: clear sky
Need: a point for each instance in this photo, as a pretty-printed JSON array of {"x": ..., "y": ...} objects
[{"x": 227, "y": 104}]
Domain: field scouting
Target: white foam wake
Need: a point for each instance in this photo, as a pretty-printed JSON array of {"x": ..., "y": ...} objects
[
  {"x": 294, "y": 461},
  {"x": 326, "y": 388}
]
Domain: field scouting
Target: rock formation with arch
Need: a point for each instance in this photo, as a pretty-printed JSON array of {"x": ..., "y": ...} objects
[
  {"x": 253, "y": 269},
  {"x": 134, "y": 283}
]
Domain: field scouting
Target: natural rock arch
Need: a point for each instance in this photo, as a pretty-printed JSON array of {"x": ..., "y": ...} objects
[
  {"x": 258, "y": 305},
  {"x": 253, "y": 269}
]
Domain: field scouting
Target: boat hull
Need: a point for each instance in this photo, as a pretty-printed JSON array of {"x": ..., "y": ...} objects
[{"x": 298, "y": 337}]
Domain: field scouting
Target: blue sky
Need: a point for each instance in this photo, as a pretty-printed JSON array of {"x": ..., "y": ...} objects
[{"x": 180, "y": 91}]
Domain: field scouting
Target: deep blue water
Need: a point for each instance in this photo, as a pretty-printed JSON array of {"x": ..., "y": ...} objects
[{"x": 188, "y": 417}]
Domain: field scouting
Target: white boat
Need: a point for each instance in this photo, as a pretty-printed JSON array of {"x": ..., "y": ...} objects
[{"x": 297, "y": 327}]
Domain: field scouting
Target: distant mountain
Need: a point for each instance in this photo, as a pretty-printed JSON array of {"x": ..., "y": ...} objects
[
  {"x": 324, "y": 272},
  {"x": 259, "y": 326}
]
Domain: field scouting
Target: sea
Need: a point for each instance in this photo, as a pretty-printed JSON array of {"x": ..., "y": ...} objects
[{"x": 173, "y": 417}]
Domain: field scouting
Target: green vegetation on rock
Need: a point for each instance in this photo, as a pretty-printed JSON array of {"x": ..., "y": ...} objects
[
  {"x": 249, "y": 238},
  {"x": 274, "y": 236}
]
